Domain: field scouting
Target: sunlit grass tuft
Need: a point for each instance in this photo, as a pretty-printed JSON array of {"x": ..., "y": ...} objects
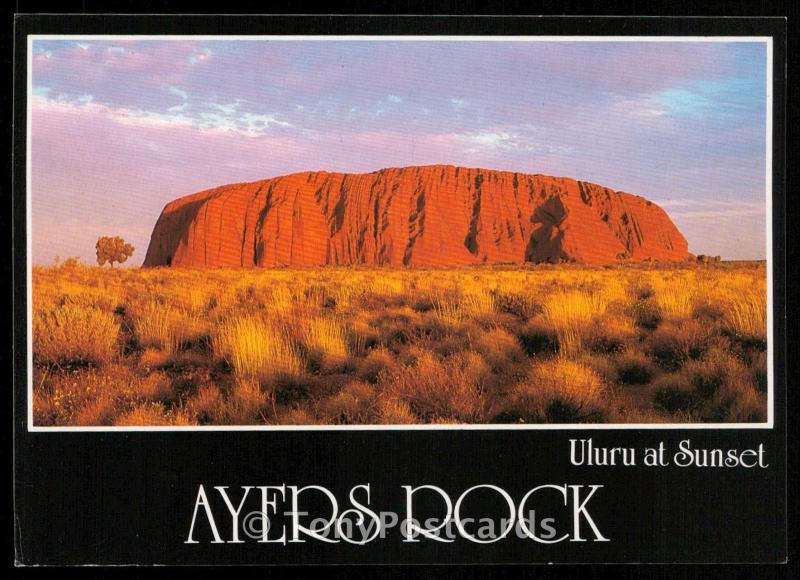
[
  {"x": 75, "y": 333},
  {"x": 569, "y": 314},
  {"x": 561, "y": 391},
  {"x": 675, "y": 301},
  {"x": 257, "y": 349},
  {"x": 747, "y": 315},
  {"x": 325, "y": 338}
]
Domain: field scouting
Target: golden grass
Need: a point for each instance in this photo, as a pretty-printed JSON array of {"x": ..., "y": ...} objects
[
  {"x": 395, "y": 412},
  {"x": 747, "y": 315},
  {"x": 559, "y": 389},
  {"x": 569, "y": 314},
  {"x": 361, "y": 346},
  {"x": 325, "y": 337},
  {"x": 155, "y": 327},
  {"x": 434, "y": 388},
  {"x": 257, "y": 348},
  {"x": 151, "y": 413},
  {"x": 457, "y": 304},
  {"x": 75, "y": 333},
  {"x": 675, "y": 300}
]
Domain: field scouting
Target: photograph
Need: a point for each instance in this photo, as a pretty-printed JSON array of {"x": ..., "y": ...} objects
[{"x": 344, "y": 232}]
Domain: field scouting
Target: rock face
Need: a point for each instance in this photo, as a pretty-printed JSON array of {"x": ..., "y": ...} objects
[{"x": 413, "y": 216}]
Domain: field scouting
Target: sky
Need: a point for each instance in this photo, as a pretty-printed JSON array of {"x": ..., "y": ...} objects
[{"x": 121, "y": 127}]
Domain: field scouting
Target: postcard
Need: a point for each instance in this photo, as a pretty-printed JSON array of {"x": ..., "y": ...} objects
[{"x": 342, "y": 292}]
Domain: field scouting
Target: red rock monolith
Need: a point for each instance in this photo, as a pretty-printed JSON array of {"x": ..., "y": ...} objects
[{"x": 412, "y": 216}]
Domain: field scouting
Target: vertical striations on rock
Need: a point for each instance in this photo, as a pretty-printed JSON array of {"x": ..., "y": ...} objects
[{"x": 411, "y": 216}]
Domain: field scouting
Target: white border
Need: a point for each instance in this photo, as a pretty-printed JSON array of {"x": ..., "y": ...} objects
[{"x": 466, "y": 427}]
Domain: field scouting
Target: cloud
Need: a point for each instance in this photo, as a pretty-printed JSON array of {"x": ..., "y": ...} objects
[
  {"x": 183, "y": 95},
  {"x": 110, "y": 171},
  {"x": 42, "y": 56},
  {"x": 177, "y": 92},
  {"x": 259, "y": 122},
  {"x": 395, "y": 99},
  {"x": 247, "y": 124},
  {"x": 200, "y": 57},
  {"x": 711, "y": 209},
  {"x": 458, "y": 104},
  {"x": 122, "y": 68},
  {"x": 702, "y": 98},
  {"x": 228, "y": 108},
  {"x": 683, "y": 101},
  {"x": 504, "y": 140}
]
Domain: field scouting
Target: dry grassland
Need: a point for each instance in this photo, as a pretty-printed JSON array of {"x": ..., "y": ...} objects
[{"x": 563, "y": 344}]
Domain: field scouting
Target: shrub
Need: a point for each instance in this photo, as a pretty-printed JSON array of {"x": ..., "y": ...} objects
[
  {"x": 475, "y": 302},
  {"x": 520, "y": 304},
  {"x": 760, "y": 371},
  {"x": 577, "y": 307},
  {"x": 350, "y": 405},
  {"x": 646, "y": 313},
  {"x": 298, "y": 417},
  {"x": 674, "y": 394},
  {"x": 609, "y": 334},
  {"x": 456, "y": 304},
  {"x": 449, "y": 388},
  {"x": 288, "y": 390},
  {"x": 498, "y": 347},
  {"x": 378, "y": 361},
  {"x": 205, "y": 404},
  {"x": 437, "y": 346},
  {"x": 725, "y": 388},
  {"x": 673, "y": 344},
  {"x": 246, "y": 404},
  {"x": 152, "y": 358},
  {"x": 641, "y": 289},
  {"x": 634, "y": 369},
  {"x": 155, "y": 328},
  {"x": 707, "y": 376},
  {"x": 538, "y": 338},
  {"x": 98, "y": 412},
  {"x": 558, "y": 391},
  {"x": 395, "y": 412},
  {"x": 74, "y": 334},
  {"x": 153, "y": 387},
  {"x": 144, "y": 414}
]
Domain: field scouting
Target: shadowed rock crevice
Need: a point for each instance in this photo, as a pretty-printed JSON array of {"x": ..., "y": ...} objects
[
  {"x": 416, "y": 223},
  {"x": 471, "y": 240}
]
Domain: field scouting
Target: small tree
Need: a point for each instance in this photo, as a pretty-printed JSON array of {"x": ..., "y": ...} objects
[{"x": 112, "y": 250}]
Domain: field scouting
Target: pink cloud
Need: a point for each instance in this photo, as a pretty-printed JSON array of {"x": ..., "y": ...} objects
[{"x": 155, "y": 62}]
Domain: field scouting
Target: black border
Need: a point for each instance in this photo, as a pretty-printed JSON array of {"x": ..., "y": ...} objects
[{"x": 407, "y": 25}]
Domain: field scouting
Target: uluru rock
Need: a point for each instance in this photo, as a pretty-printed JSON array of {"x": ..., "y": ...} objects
[{"x": 412, "y": 216}]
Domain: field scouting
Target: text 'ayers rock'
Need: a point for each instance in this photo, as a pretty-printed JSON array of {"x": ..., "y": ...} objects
[{"x": 431, "y": 215}]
